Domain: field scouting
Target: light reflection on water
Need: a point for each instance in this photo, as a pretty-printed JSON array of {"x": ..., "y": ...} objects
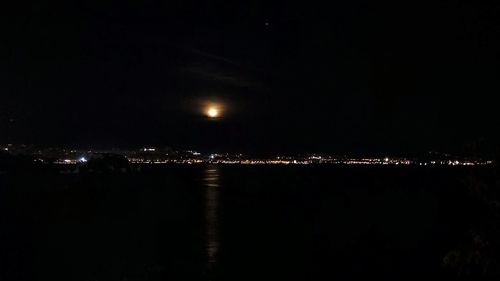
[{"x": 211, "y": 182}]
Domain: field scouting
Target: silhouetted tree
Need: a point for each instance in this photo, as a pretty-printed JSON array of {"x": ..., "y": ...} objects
[
  {"x": 478, "y": 254},
  {"x": 16, "y": 163},
  {"x": 106, "y": 164}
]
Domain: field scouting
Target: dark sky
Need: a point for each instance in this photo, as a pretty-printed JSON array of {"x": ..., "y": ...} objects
[{"x": 353, "y": 76}]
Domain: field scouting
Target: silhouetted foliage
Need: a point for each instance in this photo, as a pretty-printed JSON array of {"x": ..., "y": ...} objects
[
  {"x": 17, "y": 163},
  {"x": 106, "y": 164},
  {"x": 478, "y": 254}
]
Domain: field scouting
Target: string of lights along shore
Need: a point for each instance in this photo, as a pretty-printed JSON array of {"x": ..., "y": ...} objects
[{"x": 154, "y": 155}]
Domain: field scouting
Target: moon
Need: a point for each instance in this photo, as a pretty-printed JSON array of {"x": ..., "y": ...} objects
[
  {"x": 213, "y": 109},
  {"x": 213, "y": 112}
]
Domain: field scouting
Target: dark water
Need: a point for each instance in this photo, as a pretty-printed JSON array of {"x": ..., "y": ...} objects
[{"x": 233, "y": 223}]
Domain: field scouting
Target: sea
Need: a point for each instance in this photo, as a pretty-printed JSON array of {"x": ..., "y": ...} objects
[{"x": 235, "y": 222}]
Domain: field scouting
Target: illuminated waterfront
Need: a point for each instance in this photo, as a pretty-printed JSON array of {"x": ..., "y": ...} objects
[{"x": 154, "y": 155}]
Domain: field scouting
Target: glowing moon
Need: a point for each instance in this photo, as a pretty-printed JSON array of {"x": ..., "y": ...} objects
[
  {"x": 213, "y": 112},
  {"x": 213, "y": 109}
]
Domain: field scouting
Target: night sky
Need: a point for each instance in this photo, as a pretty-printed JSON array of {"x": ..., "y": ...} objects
[{"x": 353, "y": 76}]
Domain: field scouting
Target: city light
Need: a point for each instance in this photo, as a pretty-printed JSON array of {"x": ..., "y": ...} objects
[
  {"x": 152, "y": 155},
  {"x": 324, "y": 160}
]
